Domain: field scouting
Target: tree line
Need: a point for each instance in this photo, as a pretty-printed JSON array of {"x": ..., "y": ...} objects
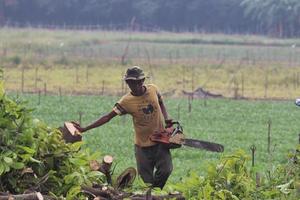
[{"x": 278, "y": 18}]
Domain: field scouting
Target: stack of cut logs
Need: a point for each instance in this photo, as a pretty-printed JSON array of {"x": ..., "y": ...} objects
[{"x": 102, "y": 192}]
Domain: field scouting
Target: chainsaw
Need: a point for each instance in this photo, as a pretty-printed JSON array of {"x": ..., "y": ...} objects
[{"x": 173, "y": 137}]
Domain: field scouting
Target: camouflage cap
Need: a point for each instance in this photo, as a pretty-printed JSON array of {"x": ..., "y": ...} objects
[{"x": 134, "y": 73}]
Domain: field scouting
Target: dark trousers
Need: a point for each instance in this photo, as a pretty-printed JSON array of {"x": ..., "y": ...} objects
[{"x": 154, "y": 164}]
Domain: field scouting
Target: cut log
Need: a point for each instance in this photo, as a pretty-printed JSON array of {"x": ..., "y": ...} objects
[
  {"x": 109, "y": 193},
  {"x": 103, "y": 193},
  {"x": 156, "y": 197},
  {"x": 126, "y": 178},
  {"x": 30, "y": 196},
  {"x": 105, "y": 167},
  {"x": 94, "y": 165},
  {"x": 106, "y": 164}
]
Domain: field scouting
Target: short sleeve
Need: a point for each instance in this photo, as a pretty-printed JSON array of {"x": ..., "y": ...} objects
[{"x": 120, "y": 107}]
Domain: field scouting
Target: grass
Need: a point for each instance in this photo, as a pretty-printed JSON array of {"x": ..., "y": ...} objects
[
  {"x": 236, "y": 124},
  {"x": 248, "y": 81},
  {"x": 90, "y": 62}
]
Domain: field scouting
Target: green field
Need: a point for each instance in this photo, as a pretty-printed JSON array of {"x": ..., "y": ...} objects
[
  {"x": 236, "y": 124},
  {"x": 93, "y": 62}
]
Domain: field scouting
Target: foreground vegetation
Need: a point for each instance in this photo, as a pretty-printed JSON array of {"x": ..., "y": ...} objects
[
  {"x": 235, "y": 124},
  {"x": 55, "y": 63},
  {"x": 203, "y": 175}
]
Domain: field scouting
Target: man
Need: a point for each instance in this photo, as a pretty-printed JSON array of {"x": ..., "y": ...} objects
[{"x": 145, "y": 104}]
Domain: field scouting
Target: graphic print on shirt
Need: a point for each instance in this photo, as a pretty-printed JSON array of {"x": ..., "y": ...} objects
[{"x": 148, "y": 110}]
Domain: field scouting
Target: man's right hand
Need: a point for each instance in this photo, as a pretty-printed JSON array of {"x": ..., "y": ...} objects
[
  {"x": 168, "y": 123},
  {"x": 78, "y": 127}
]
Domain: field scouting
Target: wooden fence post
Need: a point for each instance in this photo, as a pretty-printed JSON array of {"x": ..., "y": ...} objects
[
  {"x": 190, "y": 103},
  {"x": 193, "y": 82},
  {"x": 60, "y": 95},
  {"x": 183, "y": 78},
  {"x": 269, "y": 135},
  {"x": 36, "y": 79},
  {"x": 102, "y": 89},
  {"x": 205, "y": 101},
  {"x": 22, "y": 79},
  {"x": 178, "y": 111},
  {"x": 39, "y": 100},
  {"x": 80, "y": 117},
  {"x": 45, "y": 89},
  {"x": 243, "y": 81},
  {"x": 253, "y": 149},
  {"x": 266, "y": 84}
]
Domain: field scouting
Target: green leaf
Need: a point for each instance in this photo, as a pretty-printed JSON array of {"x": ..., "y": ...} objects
[
  {"x": 207, "y": 191},
  {"x": 73, "y": 192},
  {"x": 1, "y": 169},
  {"x": 27, "y": 149},
  {"x": 285, "y": 188},
  {"x": 18, "y": 165},
  {"x": 78, "y": 161},
  {"x": 35, "y": 160},
  {"x": 76, "y": 146},
  {"x": 8, "y": 160}
]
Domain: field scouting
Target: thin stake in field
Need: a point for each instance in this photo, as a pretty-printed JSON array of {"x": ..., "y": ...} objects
[
  {"x": 253, "y": 149},
  {"x": 22, "y": 79},
  {"x": 39, "y": 97},
  {"x": 266, "y": 84},
  {"x": 103, "y": 87},
  {"x": 80, "y": 113},
  {"x": 45, "y": 89},
  {"x": 60, "y": 95},
  {"x": 269, "y": 135},
  {"x": 36, "y": 79}
]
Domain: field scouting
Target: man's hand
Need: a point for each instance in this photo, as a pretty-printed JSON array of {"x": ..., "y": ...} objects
[
  {"x": 78, "y": 127},
  {"x": 168, "y": 123}
]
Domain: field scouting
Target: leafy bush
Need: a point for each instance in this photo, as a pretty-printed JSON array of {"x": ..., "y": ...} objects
[
  {"x": 34, "y": 157},
  {"x": 232, "y": 180}
]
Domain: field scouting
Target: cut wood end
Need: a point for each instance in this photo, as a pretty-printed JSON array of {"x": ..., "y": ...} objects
[
  {"x": 39, "y": 196},
  {"x": 27, "y": 170},
  {"x": 71, "y": 128},
  {"x": 108, "y": 159},
  {"x": 94, "y": 165}
]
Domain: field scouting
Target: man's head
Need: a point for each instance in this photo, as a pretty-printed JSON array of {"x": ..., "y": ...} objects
[
  {"x": 134, "y": 73},
  {"x": 135, "y": 78}
]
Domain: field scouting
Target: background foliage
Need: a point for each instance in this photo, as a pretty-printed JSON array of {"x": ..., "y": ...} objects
[{"x": 273, "y": 17}]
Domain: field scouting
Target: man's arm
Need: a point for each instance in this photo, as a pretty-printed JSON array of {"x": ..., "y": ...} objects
[
  {"x": 163, "y": 109},
  {"x": 102, "y": 120}
]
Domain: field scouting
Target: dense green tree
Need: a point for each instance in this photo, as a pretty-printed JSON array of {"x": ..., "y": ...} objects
[
  {"x": 279, "y": 18},
  {"x": 276, "y": 17}
]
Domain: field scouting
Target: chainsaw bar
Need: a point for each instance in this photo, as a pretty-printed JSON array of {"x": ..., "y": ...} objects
[{"x": 199, "y": 144}]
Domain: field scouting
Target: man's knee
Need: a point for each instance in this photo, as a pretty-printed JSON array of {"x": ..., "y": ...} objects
[
  {"x": 166, "y": 171},
  {"x": 147, "y": 178}
]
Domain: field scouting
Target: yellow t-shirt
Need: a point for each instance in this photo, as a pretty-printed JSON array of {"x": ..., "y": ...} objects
[{"x": 146, "y": 114}]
